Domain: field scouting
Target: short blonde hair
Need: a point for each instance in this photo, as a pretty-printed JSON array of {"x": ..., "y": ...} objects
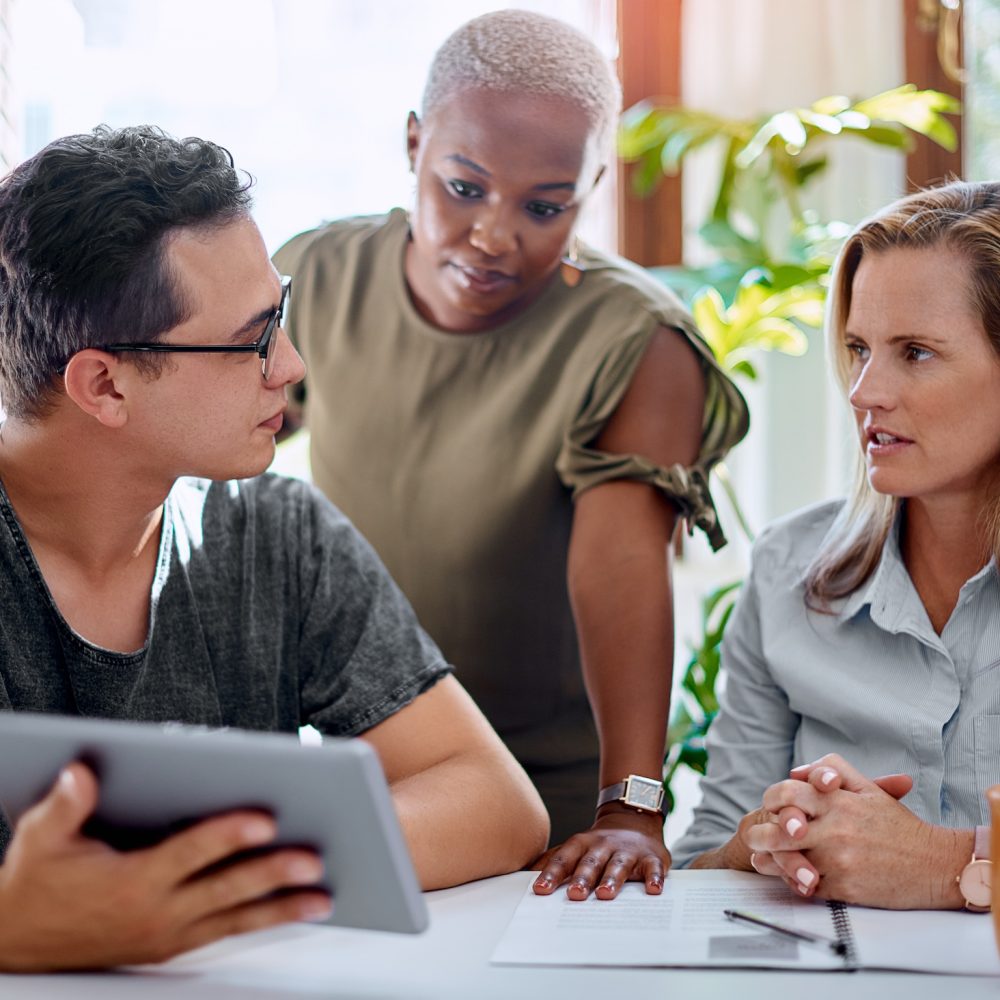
[
  {"x": 516, "y": 50},
  {"x": 962, "y": 217}
]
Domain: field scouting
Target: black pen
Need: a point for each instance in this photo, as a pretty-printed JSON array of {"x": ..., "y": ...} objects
[{"x": 837, "y": 947}]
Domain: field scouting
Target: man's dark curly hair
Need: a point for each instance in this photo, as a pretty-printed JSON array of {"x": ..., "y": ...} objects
[{"x": 84, "y": 226}]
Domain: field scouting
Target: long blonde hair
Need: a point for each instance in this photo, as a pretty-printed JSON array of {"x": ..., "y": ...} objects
[{"x": 962, "y": 217}]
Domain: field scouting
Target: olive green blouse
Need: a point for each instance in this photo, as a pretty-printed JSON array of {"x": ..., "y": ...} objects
[{"x": 459, "y": 455}]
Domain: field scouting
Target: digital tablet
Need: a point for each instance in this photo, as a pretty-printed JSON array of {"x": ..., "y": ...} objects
[{"x": 158, "y": 779}]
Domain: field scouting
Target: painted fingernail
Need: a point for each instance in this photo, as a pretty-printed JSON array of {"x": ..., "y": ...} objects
[
  {"x": 67, "y": 780},
  {"x": 828, "y": 776},
  {"x": 793, "y": 826},
  {"x": 804, "y": 890},
  {"x": 543, "y": 882},
  {"x": 805, "y": 877}
]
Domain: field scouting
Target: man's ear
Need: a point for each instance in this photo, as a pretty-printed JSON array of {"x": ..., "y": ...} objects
[
  {"x": 92, "y": 380},
  {"x": 412, "y": 139}
]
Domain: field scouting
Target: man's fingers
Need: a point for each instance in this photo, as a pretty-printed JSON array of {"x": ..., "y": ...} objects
[
  {"x": 207, "y": 843},
  {"x": 254, "y": 917},
  {"x": 243, "y": 882},
  {"x": 897, "y": 785},
  {"x": 66, "y": 807}
]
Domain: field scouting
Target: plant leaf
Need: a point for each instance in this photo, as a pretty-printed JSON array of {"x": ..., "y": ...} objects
[{"x": 832, "y": 105}]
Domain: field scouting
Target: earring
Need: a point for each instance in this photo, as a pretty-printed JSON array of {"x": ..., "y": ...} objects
[{"x": 570, "y": 268}]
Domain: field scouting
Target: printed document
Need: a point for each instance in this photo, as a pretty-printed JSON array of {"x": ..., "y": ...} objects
[{"x": 685, "y": 926}]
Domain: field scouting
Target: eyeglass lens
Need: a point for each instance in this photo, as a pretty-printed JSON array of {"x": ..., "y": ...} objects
[
  {"x": 269, "y": 356},
  {"x": 276, "y": 321}
]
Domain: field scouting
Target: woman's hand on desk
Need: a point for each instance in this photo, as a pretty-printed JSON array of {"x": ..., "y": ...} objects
[
  {"x": 623, "y": 845},
  {"x": 71, "y": 902},
  {"x": 848, "y": 837}
]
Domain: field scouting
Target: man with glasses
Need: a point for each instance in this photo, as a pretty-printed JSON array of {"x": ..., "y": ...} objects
[{"x": 143, "y": 575}]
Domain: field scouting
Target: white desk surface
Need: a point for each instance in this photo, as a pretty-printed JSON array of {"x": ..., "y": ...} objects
[{"x": 451, "y": 960}]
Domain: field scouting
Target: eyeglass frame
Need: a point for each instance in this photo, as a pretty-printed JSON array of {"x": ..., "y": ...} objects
[{"x": 262, "y": 347}]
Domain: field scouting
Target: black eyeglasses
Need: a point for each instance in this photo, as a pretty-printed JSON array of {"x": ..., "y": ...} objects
[{"x": 263, "y": 348}]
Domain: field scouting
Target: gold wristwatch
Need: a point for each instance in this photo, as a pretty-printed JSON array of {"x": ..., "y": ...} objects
[{"x": 636, "y": 792}]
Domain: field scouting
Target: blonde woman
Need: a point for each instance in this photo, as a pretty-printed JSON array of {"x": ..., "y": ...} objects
[{"x": 867, "y": 640}]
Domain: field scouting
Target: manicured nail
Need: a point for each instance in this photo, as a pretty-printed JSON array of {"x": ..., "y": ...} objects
[
  {"x": 793, "y": 825},
  {"x": 805, "y": 877},
  {"x": 804, "y": 890},
  {"x": 67, "y": 780},
  {"x": 544, "y": 882},
  {"x": 828, "y": 777}
]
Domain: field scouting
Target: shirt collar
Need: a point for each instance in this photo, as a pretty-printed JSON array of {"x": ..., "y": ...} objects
[
  {"x": 882, "y": 590},
  {"x": 891, "y": 597}
]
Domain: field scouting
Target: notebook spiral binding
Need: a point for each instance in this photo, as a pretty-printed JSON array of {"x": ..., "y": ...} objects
[{"x": 845, "y": 934}]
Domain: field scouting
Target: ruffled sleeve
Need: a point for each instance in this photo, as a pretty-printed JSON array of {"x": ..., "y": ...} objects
[{"x": 581, "y": 466}]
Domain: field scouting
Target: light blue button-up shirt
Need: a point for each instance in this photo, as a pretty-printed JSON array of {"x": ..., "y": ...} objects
[{"x": 872, "y": 681}]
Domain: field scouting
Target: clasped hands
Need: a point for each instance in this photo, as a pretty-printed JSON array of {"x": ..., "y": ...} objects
[
  {"x": 623, "y": 845},
  {"x": 830, "y": 831}
]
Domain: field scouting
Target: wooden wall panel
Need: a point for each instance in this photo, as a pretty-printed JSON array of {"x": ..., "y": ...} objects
[{"x": 649, "y": 34}]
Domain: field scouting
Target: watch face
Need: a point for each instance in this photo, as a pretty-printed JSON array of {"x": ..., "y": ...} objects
[
  {"x": 643, "y": 793},
  {"x": 975, "y": 882}
]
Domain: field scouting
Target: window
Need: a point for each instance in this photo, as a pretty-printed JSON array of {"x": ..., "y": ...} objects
[{"x": 311, "y": 96}]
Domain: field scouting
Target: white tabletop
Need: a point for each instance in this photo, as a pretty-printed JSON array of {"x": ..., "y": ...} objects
[{"x": 451, "y": 960}]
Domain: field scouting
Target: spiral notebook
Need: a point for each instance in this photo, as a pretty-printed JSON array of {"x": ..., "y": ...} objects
[{"x": 686, "y": 927}]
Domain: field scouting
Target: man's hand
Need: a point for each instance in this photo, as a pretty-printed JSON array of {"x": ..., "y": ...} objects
[
  {"x": 621, "y": 846},
  {"x": 70, "y": 902},
  {"x": 832, "y": 832}
]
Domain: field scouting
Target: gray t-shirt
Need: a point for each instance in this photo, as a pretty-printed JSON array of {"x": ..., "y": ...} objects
[{"x": 268, "y": 611}]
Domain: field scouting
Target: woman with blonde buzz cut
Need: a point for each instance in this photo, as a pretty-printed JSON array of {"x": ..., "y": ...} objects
[
  {"x": 866, "y": 645},
  {"x": 518, "y": 423}
]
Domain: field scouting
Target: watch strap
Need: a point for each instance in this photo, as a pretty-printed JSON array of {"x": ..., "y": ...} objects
[
  {"x": 611, "y": 793},
  {"x": 981, "y": 850},
  {"x": 620, "y": 791},
  {"x": 980, "y": 858}
]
